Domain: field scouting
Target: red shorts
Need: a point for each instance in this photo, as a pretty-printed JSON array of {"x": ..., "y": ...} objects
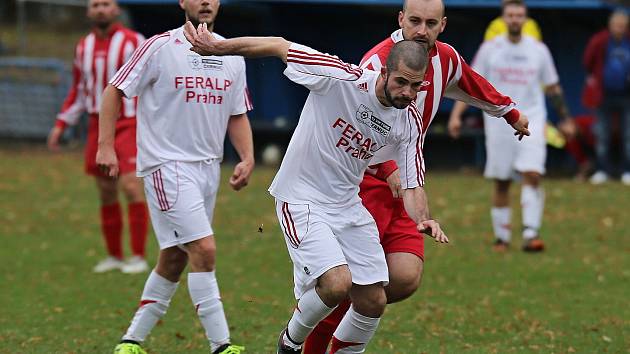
[
  {"x": 124, "y": 144},
  {"x": 397, "y": 231}
]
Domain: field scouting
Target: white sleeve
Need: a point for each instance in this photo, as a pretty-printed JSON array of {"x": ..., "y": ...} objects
[
  {"x": 142, "y": 67},
  {"x": 317, "y": 71},
  {"x": 241, "y": 102},
  {"x": 409, "y": 157},
  {"x": 549, "y": 75}
]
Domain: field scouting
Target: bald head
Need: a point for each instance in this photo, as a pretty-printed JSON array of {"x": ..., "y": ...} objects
[
  {"x": 618, "y": 24},
  {"x": 440, "y": 3}
]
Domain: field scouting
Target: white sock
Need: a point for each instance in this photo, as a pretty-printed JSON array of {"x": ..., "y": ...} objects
[
  {"x": 204, "y": 292},
  {"x": 501, "y": 218},
  {"x": 156, "y": 297},
  {"x": 309, "y": 311},
  {"x": 354, "y": 333},
  {"x": 532, "y": 202}
]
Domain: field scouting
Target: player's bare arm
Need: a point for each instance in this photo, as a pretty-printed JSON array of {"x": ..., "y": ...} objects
[
  {"x": 556, "y": 97},
  {"x": 455, "y": 119},
  {"x": 110, "y": 109},
  {"x": 240, "y": 133},
  {"x": 204, "y": 43},
  {"x": 417, "y": 206},
  {"x": 521, "y": 125},
  {"x": 393, "y": 180}
]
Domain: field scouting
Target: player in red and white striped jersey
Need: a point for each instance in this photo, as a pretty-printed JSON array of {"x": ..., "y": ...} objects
[
  {"x": 97, "y": 58},
  {"x": 447, "y": 75}
]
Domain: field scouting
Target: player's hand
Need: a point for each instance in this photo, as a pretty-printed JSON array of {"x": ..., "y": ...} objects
[
  {"x": 568, "y": 128},
  {"x": 433, "y": 229},
  {"x": 393, "y": 180},
  {"x": 454, "y": 126},
  {"x": 521, "y": 126},
  {"x": 107, "y": 161},
  {"x": 53, "y": 138},
  {"x": 240, "y": 176},
  {"x": 203, "y": 42}
]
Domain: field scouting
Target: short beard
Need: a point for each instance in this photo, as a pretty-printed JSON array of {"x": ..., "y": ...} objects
[
  {"x": 102, "y": 25},
  {"x": 195, "y": 21},
  {"x": 388, "y": 95}
]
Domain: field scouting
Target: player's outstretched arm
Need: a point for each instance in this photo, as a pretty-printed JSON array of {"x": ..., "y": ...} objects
[
  {"x": 240, "y": 133},
  {"x": 110, "y": 109},
  {"x": 455, "y": 120},
  {"x": 204, "y": 43},
  {"x": 417, "y": 206}
]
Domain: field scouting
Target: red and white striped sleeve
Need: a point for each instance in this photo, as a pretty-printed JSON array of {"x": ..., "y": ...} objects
[
  {"x": 318, "y": 71},
  {"x": 241, "y": 102},
  {"x": 74, "y": 104},
  {"x": 466, "y": 85},
  {"x": 410, "y": 158},
  {"x": 141, "y": 69}
]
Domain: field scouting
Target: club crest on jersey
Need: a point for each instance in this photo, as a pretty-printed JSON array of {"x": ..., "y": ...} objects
[
  {"x": 367, "y": 117},
  {"x": 194, "y": 61}
]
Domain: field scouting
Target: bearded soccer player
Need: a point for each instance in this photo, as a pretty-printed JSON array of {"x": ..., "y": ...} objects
[
  {"x": 97, "y": 58},
  {"x": 447, "y": 75}
]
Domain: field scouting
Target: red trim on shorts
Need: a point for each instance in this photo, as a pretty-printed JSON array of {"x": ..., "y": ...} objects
[{"x": 292, "y": 238}]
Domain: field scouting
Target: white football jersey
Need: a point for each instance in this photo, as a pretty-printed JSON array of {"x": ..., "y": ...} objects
[
  {"x": 184, "y": 100},
  {"x": 341, "y": 127},
  {"x": 519, "y": 70}
]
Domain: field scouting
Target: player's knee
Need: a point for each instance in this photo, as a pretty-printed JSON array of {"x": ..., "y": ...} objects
[
  {"x": 171, "y": 265},
  {"x": 402, "y": 286},
  {"x": 370, "y": 302},
  {"x": 334, "y": 285}
]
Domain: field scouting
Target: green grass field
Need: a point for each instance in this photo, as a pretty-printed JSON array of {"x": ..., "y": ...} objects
[{"x": 574, "y": 298}]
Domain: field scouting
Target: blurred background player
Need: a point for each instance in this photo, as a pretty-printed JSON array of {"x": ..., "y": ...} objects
[
  {"x": 421, "y": 21},
  {"x": 187, "y": 103},
  {"x": 98, "y": 56},
  {"x": 607, "y": 62},
  {"x": 498, "y": 27},
  {"x": 517, "y": 65}
]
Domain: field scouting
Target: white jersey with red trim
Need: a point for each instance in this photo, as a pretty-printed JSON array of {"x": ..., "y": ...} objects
[
  {"x": 96, "y": 60},
  {"x": 184, "y": 100},
  {"x": 448, "y": 75},
  {"x": 519, "y": 69},
  {"x": 341, "y": 127}
]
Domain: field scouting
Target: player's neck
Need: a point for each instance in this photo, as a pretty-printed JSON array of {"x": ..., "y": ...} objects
[
  {"x": 103, "y": 32},
  {"x": 515, "y": 38}
]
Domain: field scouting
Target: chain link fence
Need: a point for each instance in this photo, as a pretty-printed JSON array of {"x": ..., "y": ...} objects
[{"x": 31, "y": 93}]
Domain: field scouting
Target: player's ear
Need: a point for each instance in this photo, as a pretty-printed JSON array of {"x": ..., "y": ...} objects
[
  {"x": 444, "y": 20},
  {"x": 401, "y": 16},
  {"x": 384, "y": 71}
]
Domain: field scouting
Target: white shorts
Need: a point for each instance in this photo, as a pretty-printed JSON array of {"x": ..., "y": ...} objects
[
  {"x": 506, "y": 154},
  {"x": 320, "y": 238},
  {"x": 181, "y": 198}
]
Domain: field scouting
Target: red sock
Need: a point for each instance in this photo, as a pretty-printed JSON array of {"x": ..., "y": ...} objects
[
  {"x": 112, "y": 227},
  {"x": 138, "y": 227},
  {"x": 317, "y": 341}
]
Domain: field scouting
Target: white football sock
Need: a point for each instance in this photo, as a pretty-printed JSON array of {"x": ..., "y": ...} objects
[
  {"x": 309, "y": 311},
  {"x": 501, "y": 219},
  {"x": 156, "y": 297},
  {"x": 204, "y": 292},
  {"x": 532, "y": 202},
  {"x": 354, "y": 333}
]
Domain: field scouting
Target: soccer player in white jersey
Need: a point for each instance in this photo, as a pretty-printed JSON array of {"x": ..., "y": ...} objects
[
  {"x": 186, "y": 104},
  {"x": 97, "y": 58},
  {"x": 523, "y": 68},
  {"x": 350, "y": 116}
]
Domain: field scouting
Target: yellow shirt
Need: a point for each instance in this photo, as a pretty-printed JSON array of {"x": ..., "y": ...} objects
[{"x": 498, "y": 27}]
